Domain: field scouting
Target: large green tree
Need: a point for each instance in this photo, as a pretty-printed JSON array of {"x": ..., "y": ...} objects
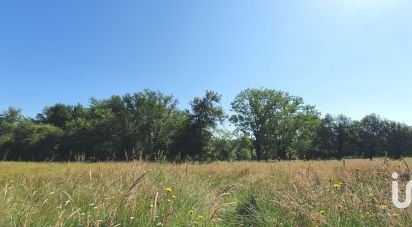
[
  {"x": 151, "y": 122},
  {"x": 372, "y": 136},
  {"x": 272, "y": 117},
  {"x": 205, "y": 114}
]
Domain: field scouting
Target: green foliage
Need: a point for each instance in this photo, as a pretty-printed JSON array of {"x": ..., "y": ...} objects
[
  {"x": 243, "y": 148},
  {"x": 22, "y": 139},
  {"x": 204, "y": 116},
  {"x": 277, "y": 120},
  {"x": 147, "y": 125},
  {"x": 57, "y": 115}
]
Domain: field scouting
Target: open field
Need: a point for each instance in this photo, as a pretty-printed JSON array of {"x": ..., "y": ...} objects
[{"x": 295, "y": 193}]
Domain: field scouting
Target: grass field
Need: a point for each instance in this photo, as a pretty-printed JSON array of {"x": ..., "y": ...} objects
[{"x": 297, "y": 193}]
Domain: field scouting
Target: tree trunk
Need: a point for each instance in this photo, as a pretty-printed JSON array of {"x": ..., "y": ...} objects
[
  {"x": 258, "y": 147},
  {"x": 281, "y": 151}
]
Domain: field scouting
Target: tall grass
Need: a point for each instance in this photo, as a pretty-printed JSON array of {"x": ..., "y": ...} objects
[{"x": 298, "y": 193}]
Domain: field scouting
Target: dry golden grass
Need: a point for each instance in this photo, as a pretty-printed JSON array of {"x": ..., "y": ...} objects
[{"x": 297, "y": 193}]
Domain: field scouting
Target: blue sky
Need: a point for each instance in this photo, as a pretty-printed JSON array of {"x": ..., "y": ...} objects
[{"x": 344, "y": 56}]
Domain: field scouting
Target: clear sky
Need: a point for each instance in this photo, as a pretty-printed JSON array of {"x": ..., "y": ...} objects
[{"x": 344, "y": 56}]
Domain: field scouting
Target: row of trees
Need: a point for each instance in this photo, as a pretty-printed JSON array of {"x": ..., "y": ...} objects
[{"x": 269, "y": 124}]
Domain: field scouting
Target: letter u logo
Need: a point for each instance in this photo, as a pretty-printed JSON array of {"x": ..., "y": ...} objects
[{"x": 395, "y": 193}]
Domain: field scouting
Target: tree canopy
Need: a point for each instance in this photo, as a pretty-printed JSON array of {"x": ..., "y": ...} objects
[{"x": 268, "y": 124}]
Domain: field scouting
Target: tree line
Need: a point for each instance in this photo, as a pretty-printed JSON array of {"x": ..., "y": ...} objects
[{"x": 268, "y": 125}]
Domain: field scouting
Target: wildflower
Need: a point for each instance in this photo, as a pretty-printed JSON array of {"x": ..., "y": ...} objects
[
  {"x": 168, "y": 200},
  {"x": 168, "y": 189},
  {"x": 322, "y": 212},
  {"x": 395, "y": 215},
  {"x": 341, "y": 207},
  {"x": 200, "y": 217},
  {"x": 132, "y": 218},
  {"x": 370, "y": 195},
  {"x": 383, "y": 206},
  {"x": 173, "y": 197},
  {"x": 336, "y": 186},
  {"x": 151, "y": 206}
]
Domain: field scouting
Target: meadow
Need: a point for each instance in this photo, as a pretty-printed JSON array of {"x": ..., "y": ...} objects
[{"x": 288, "y": 193}]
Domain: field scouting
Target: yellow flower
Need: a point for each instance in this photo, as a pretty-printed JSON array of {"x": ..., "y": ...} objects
[
  {"x": 370, "y": 195},
  {"x": 336, "y": 186},
  {"x": 151, "y": 205},
  {"x": 168, "y": 189},
  {"x": 200, "y": 217},
  {"x": 168, "y": 200},
  {"x": 341, "y": 207},
  {"x": 322, "y": 212},
  {"x": 173, "y": 197},
  {"x": 383, "y": 206}
]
